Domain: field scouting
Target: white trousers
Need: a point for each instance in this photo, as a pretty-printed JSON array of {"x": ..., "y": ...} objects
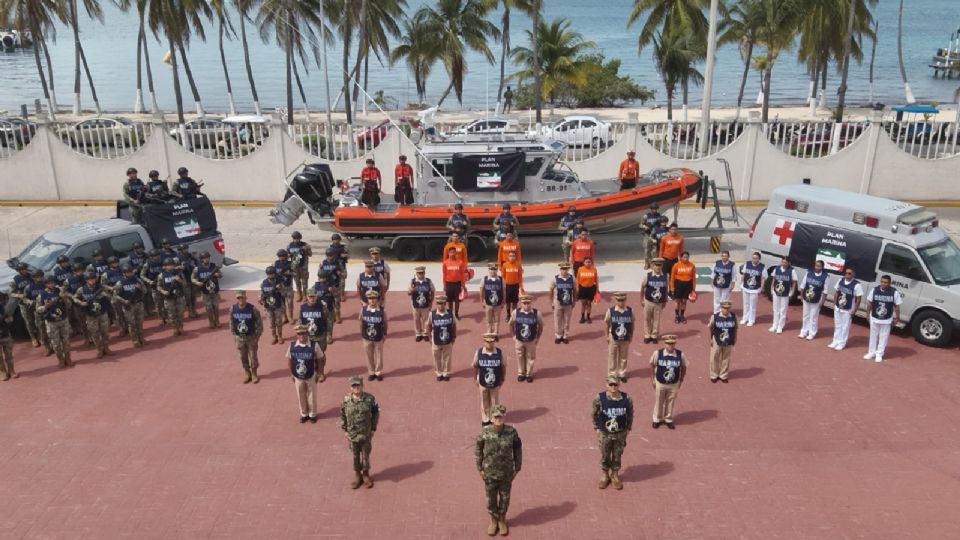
[
  {"x": 811, "y": 319},
  {"x": 720, "y": 295},
  {"x": 780, "y": 304},
  {"x": 841, "y": 326},
  {"x": 879, "y": 333},
  {"x": 750, "y": 306}
]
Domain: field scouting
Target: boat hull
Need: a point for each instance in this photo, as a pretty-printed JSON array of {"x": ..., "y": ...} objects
[{"x": 608, "y": 212}]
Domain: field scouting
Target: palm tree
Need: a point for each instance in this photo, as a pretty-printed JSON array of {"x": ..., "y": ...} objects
[
  {"x": 537, "y": 72},
  {"x": 738, "y": 27},
  {"x": 92, "y": 7},
  {"x": 46, "y": 56},
  {"x": 903, "y": 72},
  {"x": 243, "y": 8},
  {"x": 674, "y": 54},
  {"x": 524, "y": 6},
  {"x": 418, "y": 52},
  {"x": 776, "y": 29},
  {"x": 562, "y": 60},
  {"x": 182, "y": 47},
  {"x": 143, "y": 56},
  {"x": 36, "y": 17},
  {"x": 455, "y": 26},
  {"x": 667, "y": 15},
  {"x": 224, "y": 26},
  {"x": 381, "y": 24}
]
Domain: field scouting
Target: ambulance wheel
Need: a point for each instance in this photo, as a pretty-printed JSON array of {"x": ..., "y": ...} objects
[
  {"x": 932, "y": 328},
  {"x": 409, "y": 249}
]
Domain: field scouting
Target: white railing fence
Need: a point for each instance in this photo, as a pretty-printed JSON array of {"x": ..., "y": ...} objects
[{"x": 681, "y": 140}]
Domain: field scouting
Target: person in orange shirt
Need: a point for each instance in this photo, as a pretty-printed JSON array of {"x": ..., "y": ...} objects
[
  {"x": 683, "y": 278},
  {"x": 510, "y": 244},
  {"x": 370, "y": 180},
  {"x": 512, "y": 274},
  {"x": 454, "y": 274},
  {"x": 456, "y": 244},
  {"x": 587, "y": 282},
  {"x": 629, "y": 172},
  {"x": 671, "y": 246},
  {"x": 403, "y": 177},
  {"x": 581, "y": 249}
]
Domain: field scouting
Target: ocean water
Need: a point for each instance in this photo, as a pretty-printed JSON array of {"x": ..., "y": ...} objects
[{"x": 111, "y": 52}]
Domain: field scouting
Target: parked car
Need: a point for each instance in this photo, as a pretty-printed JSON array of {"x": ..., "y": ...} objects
[
  {"x": 202, "y": 132},
  {"x": 16, "y": 131},
  {"x": 371, "y": 137},
  {"x": 102, "y": 131},
  {"x": 578, "y": 131},
  {"x": 490, "y": 124},
  {"x": 243, "y": 133},
  {"x": 820, "y": 138}
]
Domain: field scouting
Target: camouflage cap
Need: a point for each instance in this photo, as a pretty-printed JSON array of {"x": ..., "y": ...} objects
[
  {"x": 355, "y": 380},
  {"x": 526, "y": 298},
  {"x": 368, "y": 264},
  {"x": 657, "y": 260},
  {"x": 498, "y": 410},
  {"x": 440, "y": 298},
  {"x": 311, "y": 292},
  {"x": 619, "y": 296},
  {"x": 670, "y": 338},
  {"x": 373, "y": 294},
  {"x": 726, "y": 303},
  {"x": 613, "y": 379},
  {"x": 240, "y": 294},
  {"x": 564, "y": 265},
  {"x": 374, "y": 250},
  {"x": 489, "y": 337},
  {"x": 419, "y": 269},
  {"x": 300, "y": 329}
]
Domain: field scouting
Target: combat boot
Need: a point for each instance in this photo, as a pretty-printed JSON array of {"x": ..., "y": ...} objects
[
  {"x": 248, "y": 377},
  {"x": 604, "y": 480},
  {"x": 357, "y": 480},
  {"x": 274, "y": 342},
  {"x": 280, "y": 335},
  {"x": 502, "y": 525},
  {"x": 493, "y": 526},
  {"x": 67, "y": 360},
  {"x": 49, "y": 352},
  {"x": 36, "y": 342},
  {"x": 100, "y": 352},
  {"x": 253, "y": 376},
  {"x": 615, "y": 479},
  {"x": 367, "y": 481}
]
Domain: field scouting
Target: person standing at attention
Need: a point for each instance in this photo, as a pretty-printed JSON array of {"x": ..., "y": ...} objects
[
  {"x": 371, "y": 182},
  {"x": 722, "y": 279},
  {"x": 883, "y": 305},
  {"x": 683, "y": 280},
  {"x": 629, "y": 171},
  {"x": 403, "y": 179},
  {"x": 846, "y": 301},
  {"x": 750, "y": 286},
  {"x": 812, "y": 285},
  {"x": 512, "y": 274},
  {"x": 562, "y": 291},
  {"x": 588, "y": 281},
  {"x": 782, "y": 289},
  {"x": 671, "y": 246}
]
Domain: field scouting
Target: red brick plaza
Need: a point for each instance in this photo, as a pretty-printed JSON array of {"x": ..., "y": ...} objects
[{"x": 166, "y": 442}]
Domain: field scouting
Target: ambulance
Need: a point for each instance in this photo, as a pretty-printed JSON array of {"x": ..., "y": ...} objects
[{"x": 875, "y": 237}]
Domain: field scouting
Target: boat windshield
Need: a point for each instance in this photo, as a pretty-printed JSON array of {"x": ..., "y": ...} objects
[
  {"x": 943, "y": 260},
  {"x": 42, "y": 253}
]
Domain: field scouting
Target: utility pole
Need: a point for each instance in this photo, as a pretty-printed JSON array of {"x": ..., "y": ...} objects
[{"x": 708, "y": 78}]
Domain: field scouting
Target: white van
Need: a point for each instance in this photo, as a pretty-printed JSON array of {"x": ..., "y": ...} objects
[{"x": 874, "y": 236}]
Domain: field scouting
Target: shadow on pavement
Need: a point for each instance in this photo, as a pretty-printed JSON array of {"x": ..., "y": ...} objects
[
  {"x": 555, "y": 372},
  {"x": 543, "y": 514},
  {"x": 695, "y": 417},
  {"x": 522, "y": 415},
  {"x": 639, "y": 473},
  {"x": 746, "y": 373},
  {"x": 409, "y": 370},
  {"x": 398, "y": 473}
]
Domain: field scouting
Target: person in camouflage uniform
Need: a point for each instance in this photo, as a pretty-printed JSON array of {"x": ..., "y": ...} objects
[
  {"x": 94, "y": 301},
  {"x": 271, "y": 298},
  {"x": 32, "y": 295},
  {"x": 6, "y": 338},
  {"x": 499, "y": 456},
  {"x": 186, "y": 264},
  {"x": 109, "y": 280},
  {"x": 129, "y": 293},
  {"x": 20, "y": 288},
  {"x": 54, "y": 308},
  {"x": 72, "y": 284},
  {"x": 246, "y": 326},
  {"x": 300, "y": 253},
  {"x": 359, "y": 415},
  {"x": 171, "y": 285},
  {"x": 206, "y": 279},
  {"x": 285, "y": 279},
  {"x": 150, "y": 272},
  {"x": 612, "y": 415}
]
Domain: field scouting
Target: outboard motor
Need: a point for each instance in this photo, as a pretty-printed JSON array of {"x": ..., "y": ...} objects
[{"x": 310, "y": 190}]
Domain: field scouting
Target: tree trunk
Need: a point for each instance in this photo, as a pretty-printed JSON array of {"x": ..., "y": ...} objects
[
  {"x": 303, "y": 95},
  {"x": 347, "y": 36},
  {"x": 38, "y": 39},
  {"x": 226, "y": 72},
  {"x": 766, "y": 92},
  {"x": 903, "y": 72},
  {"x": 362, "y": 49},
  {"x": 289, "y": 58},
  {"x": 328, "y": 128},
  {"x": 93, "y": 89},
  {"x": 537, "y": 97},
  {"x": 366, "y": 78},
  {"x": 154, "y": 108},
  {"x": 76, "y": 57},
  {"x": 178, "y": 96},
  {"x": 505, "y": 52},
  {"x": 847, "y": 45},
  {"x": 246, "y": 63},
  {"x": 189, "y": 73},
  {"x": 46, "y": 55},
  {"x": 824, "y": 71},
  {"x": 445, "y": 93},
  {"x": 669, "y": 104},
  {"x": 138, "y": 104},
  {"x": 873, "y": 56},
  {"x": 685, "y": 86},
  {"x": 743, "y": 80}
]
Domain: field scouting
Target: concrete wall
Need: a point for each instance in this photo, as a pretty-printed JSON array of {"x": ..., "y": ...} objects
[{"x": 49, "y": 170}]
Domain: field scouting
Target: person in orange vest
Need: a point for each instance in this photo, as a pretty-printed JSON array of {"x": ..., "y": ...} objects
[
  {"x": 671, "y": 246},
  {"x": 629, "y": 172},
  {"x": 581, "y": 249},
  {"x": 456, "y": 244},
  {"x": 454, "y": 274},
  {"x": 403, "y": 178},
  {"x": 371, "y": 182},
  {"x": 508, "y": 245},
  {"x": 587, "y": 282},
  {"x": 683, "y": 278},
  {"x": 512, "y": 273}
]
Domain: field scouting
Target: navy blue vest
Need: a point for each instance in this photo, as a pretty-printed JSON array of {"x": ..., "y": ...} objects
[
  {"x": 284, "y": 272},
  {"x": 371, "y": 324},
  {"x": 304, "y": 364},
  {"x": 656, "y": 289},
  {"x": 490, "y": 372},
  {"x": 60, "y": 273},
  {"x": 33, "y": 290},
  {"x": 813, "y": 289},
  {"x": 752, "y": 275},
  {"x": 129, "y": 290},
  {"x": 157, "y": 187},
  {"x": 881, "y": 307},
  {"x": 96, "y": 303},
  {"x": 421, "y": 298},
  {"x": 136, "y": 260},
  {"x": 99, "y": 267},
  {"x": 613, "y": 413},
  {"x": 270, "y": 290},
  {"x": 112, "y": 276},
  {"x": 369, "y": 283},
  {"x": 73, "y": 283},
  {"x": 525, "y": 326},
  {"x": 57, "y": 310},
  {"x": 135, "y": 187},
  {"x": 313, "y": 317},
  {"x": 723, "y": 274},
  {"x": 153, "y": 268},
  {"x": 621, "y": 324},
  {"x": 241, "y": 320},
  {"x": 380, "y": 269},
  {"x": 20, "y": 282},
  {"x": 442, "y": 327},
  {"x": 667, "y": 368},
  {"x": 847, "y": 294},
  {"x": 492, "y": 291},
  {"x": 206, "y": 275},
  {"x": 298, "y": 258},
  {"x": 333, "y": 269},
  {"x": 724, "y": 329},
  {"x": 168, "y": 282},
  {"x": 782, "y": 279},
  {"x": 325, "y": 294},
  {"x": 458, "y": 221},
  {"x": 564, "y": 290},
  {"x": 651, "y": 219}
]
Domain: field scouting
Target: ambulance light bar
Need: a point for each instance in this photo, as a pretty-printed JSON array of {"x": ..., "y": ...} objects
[
  {"x": 799, "y": 206},
  {"x": 862, "y": 219}
]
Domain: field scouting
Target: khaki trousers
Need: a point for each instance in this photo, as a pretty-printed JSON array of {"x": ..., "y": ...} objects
[
  {"x": 617, "y": 354},
  {"x": 651, "y": 319},
  {"x": 488, "y": 398},
  {"x": 373, "y": 350},
  {"x": 492, "y": 318},
  {"x": 421, "y": 321},
  {"x": 307, "y": 395},
  {"x": 561, "y": 319},
  {"x": 665, "y": 396},
  {"x": 526, "y": 356},
  {"x": 720, "y": 361},
  {"x": 442, "y": 355}
]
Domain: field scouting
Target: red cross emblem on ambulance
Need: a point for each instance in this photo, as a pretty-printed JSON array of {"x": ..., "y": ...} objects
[{"x": 783, "y": 233}]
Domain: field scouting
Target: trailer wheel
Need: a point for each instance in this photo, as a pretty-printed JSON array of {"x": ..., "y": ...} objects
[
  {"x": 932, "y": 328},
  {"x": 409, "y": 249},
  {"x": 475, "y": 248},
  {"x": 433, "y": 250}
]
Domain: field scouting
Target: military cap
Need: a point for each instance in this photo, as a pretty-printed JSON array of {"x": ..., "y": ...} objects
[
  {"x": 613, "y": 379},
  {"x": 112, "y": 259},
  {"x": 281, "y": 253},
  {"x": 167, "y": 261},
  {"x": 153, "y": 174},
  {"x": 373, "y": 294},
  {"x": 335, "y": 236},
  {"x": 374, "y": 250},
  {"x": 205, "y": 255},
  {"x": 50, "y": 279},
  {"x": 440, "y": 298},
  {"x": 131, "y": 170},
  {"x": 657, "y": 260},
  {"x": 89, "y": 275},
  {"x": 126, "y": 268},
  {"x": 22, "y": 266},
  {"x": 654, "y": 206},
  {"x": 355, "y": 380},
  {"x": 323, "y": 275},
  {"x": 489, "y": 337},
  {"x": 182, "y": 170},
  {"x": 726, "y": 303},
  {"x": 458, "y": 206},
  {"x": 240, "y": 294},
  {"x": 368, "y": 263},
  {"x": 137, "y": 245},
  {"x": 670, "y": 338},
  {"x": 498, "y": 410},
  {"x": 78, "y": 267},
  {"x": 572, "y": 209},
  {"x": 37, "y": 273},
  {"x": 526, "y": 298},
  {"x": 300, "y": 329},
  {"x": 311, "y": 292},
  {"x": 619, "y": 296},
  {"x": 63, "y": 258},
  {"x": 183, "y": 247},
  {"x": 270, "y": 270},
  {"x": 564, "y": 265},
  {"x": 296, "y": 235},
  {"x": 492, "y": 266},
  {"x": 97, "y": 253},
  {"x": 154, "y": 252},
  {"x": 330, "y": 251},
  {"x": 420, "y": 269}
]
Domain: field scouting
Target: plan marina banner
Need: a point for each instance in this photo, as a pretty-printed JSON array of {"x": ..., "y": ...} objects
[
  {"x": 180, "y": 221},
  {"x": 837, "y": 248},
  {"x": 490, "y": 172}
]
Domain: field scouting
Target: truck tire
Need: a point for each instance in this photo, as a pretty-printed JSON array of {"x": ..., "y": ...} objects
[
  {"x": 932, "y": 328},
  {"x": 409, "y": 249},
  {"x": 433, "y": 250},
  {"x": 475, "y": 248}
]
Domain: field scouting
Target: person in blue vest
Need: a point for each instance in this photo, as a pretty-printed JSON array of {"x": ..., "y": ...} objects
[
  {"x": 669, "y": 367},
  {"x": 527, "y": 328},
  {"x": 489, "y": 370},
  {"x": 382, "y": 269},
  {"x": 314, "y": 317},
  {"x": 421, "y": 291},
  {"x": 782, "y": 288},
  {"x": 171, "y": 285},
  {"x": 723, "y": 336},
  {"x": 72, "y": 284},
  {"x": 150, "y": 274},
  {"x": 285, "y": 279},
  {"x": 305, "y": 361},
  {"x": 651, "y": 244},
  {"x": 19, "y": 289},
  {"x": 723, "y": 279},
  {"x": 618, "y": 326},
  {"x": 109, "y": 280},
  {"x": 563, "y": 291},
  {"x": 612, "y": 414},
  {"x": 812, "y": 294},
  {"x": 567, "y": 224},
  {"x": 130, "y": 293},
  {"x": 94, "y": 301},
  {"x": 30, "y": 297},
  {"x": 185, "y": 187},
  {"x": 751, "y": 285},
  {"x": 883, "y": 305},
  {"x": 246, "y": 327},
  {"x": 185, "y": 265},
  {"x": 847, "y": 296},
  {"x": 329, "y": 297},
  {"x": 99, "y": 264},
  {"x": 333, "y": 268},
  {"x": 505, "y": 222},
  {"x": 133, "y": 192},
  {"x": 53, "y": 307},
  {"x": 443, "y": 333},
  {"x": 300, "y": 253},
  {"x": 654, "y": 297},
  {"x": 492, "y": 291},
  {"x": 206, "y": 279},
  {"x": 156, "y": 191},
  {"x": 7, "y": 310},
  {"x": 370, "y": 281},
  {"x": 271, "y": 298},
  {"x": 373, "y": 332},
  {"x": 61, "y": 270}
]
